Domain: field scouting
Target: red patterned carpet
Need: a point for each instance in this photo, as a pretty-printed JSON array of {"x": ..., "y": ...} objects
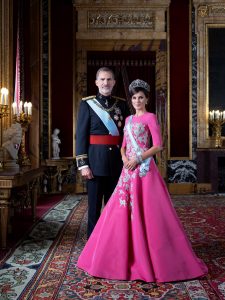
[{"x": 56, "y": 276}]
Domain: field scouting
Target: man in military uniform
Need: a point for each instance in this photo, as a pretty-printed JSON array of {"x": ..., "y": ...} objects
[{"x": 98, "y": 138}]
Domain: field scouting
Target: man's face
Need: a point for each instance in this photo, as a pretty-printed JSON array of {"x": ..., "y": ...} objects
[{"x": 105, "y": 83}]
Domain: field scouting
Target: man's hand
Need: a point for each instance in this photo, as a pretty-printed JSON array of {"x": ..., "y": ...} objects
[{"x": 87, "y": 173}]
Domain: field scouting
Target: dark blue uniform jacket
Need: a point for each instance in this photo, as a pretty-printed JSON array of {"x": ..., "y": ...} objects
[{"x": 104, "y": 160}]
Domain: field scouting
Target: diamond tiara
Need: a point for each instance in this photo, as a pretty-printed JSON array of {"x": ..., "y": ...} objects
[{"x": 139, "y": 83}]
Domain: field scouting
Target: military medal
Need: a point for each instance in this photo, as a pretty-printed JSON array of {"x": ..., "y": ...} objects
[
  {"x": 118, "y": 116},
  {"x": 117, "y": 111}
]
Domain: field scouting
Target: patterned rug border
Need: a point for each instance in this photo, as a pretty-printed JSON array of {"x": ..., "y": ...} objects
[
  {"x": 22, "y": 238},
  {"x": 63, "y": 243}
]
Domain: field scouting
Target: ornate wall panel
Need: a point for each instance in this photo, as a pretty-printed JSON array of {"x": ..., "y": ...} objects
[{"x": 123, "y": 19}]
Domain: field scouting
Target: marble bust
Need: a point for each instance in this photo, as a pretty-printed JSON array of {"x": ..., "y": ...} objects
[{"x": 12, "y": 137}]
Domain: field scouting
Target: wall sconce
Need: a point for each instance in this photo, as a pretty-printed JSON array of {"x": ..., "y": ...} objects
[
  {"x": 217, "y": 119},
  {"x": 22, "y": 113}
]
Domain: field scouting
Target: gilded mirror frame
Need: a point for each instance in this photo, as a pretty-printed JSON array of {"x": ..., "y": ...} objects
[{"x": 208, "y": 14}]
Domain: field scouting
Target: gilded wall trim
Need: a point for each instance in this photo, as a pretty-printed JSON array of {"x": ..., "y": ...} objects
[
  {"x": 218, "y": 10},
  {"x": 6, "y": 51},
  {"x": 203, "y": 11},
  {"x": 211, "y": 10},
  {"x": 208, "y": 13},
  {"x": 121, "y": 19}
]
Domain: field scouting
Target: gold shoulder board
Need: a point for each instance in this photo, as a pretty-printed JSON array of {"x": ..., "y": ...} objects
[
  {"x": 119, "y": 98},
  {"x": 87, "y": 98}
]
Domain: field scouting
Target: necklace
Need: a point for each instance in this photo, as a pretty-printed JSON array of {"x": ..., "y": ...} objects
[{"x": 103, "y": 108}]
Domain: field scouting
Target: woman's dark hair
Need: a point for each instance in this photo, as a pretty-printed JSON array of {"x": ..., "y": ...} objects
[{"x": 139, "y": 89}]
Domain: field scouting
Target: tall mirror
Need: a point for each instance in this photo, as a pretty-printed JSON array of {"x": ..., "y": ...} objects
[
  {"x": 210, "y": 31},
  {"x": 216, "y": 69}
]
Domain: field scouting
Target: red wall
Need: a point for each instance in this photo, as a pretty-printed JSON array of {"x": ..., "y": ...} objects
[
  {"x": 179, "y": 78},
  {"x": 62, "y": 72}
]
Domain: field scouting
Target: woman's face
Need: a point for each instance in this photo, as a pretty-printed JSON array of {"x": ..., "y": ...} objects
[{"x": 139, "y": 100}]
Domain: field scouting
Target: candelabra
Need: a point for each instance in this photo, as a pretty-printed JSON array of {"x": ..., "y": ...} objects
[
  {"x": 22, "y": 114},
  {"x": 217, "y": 119},
  {"x": 4, "y": 111}
]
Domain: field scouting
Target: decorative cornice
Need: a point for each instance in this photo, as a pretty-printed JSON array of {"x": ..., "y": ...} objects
[
  {"x": 211, "y": 10},
  {"x": 121, "y": 19},
  {"x": 218, "y": 10},
  {"x": 124, "y": 3},
  {"x": 203, "y": 11}
]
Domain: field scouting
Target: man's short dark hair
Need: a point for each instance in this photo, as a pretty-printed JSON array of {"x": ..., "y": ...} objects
[{"x": 105, "y": 69}]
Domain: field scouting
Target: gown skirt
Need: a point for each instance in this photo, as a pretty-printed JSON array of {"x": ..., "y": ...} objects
[{"x": 139, "y": 235}]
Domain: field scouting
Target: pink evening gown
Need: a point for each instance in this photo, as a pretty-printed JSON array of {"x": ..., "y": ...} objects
[{"x": 139, "y": 235}]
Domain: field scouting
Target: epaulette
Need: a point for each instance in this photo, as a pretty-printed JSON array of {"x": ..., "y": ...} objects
[
  {"x": 119, "y": 98},
  {"x": 89, "y": 97}
]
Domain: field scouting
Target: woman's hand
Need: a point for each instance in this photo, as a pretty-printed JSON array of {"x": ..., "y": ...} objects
[
  {"x": 125, "y": 160},
  {"x": 131, "y": 164}
]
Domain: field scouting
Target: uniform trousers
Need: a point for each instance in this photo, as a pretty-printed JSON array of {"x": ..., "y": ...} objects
[{"x": 99, "y": 189}]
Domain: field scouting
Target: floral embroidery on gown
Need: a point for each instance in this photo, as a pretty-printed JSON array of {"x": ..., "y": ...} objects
[{"x": 139, "y": 235}]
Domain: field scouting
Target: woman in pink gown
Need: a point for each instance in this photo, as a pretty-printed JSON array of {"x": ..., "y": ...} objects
[{"x": 139, "y": 235}]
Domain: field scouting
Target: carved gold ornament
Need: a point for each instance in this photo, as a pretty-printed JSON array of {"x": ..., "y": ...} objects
[
  {"x": 203, "y": 11},
  {"x": 124, "y": 19}
]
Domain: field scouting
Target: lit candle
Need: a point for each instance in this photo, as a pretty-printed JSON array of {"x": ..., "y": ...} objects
[
  {"x": 29, "y": 106},
  {"x": 217, "y": 114},
  {"x": 210, "y": 115},
  {"x": 25, "y": 107},
  {"x": 14, "y": 108},
  {"x": 213, "y": 115},
  {"x": 20, "y": 107},
  {"x": 224, "y": 115},
  {"x": 4, "y": 96}
]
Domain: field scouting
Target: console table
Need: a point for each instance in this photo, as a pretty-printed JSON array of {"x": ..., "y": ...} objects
[
  {"x": 10, "y": 179},
  {"x": 55, "y": 173},
  {"x": 208, "y": 166}
]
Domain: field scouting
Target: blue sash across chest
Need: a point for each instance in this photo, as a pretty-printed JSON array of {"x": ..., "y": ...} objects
[
  {"x": 145, "y": 165},
  {"x": 104, "y": 116}
]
